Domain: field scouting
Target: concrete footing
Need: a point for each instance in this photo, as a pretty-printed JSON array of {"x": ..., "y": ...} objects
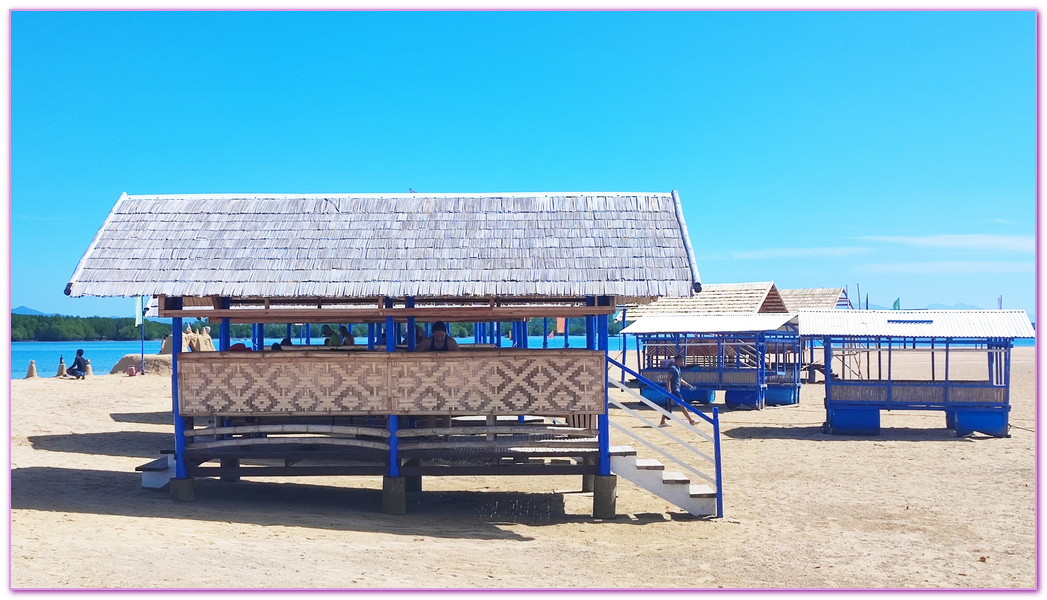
[
  {"x": 181, "y": 490},
  {"x": 230, "y": 468},
  {"x": 394, "y": 495},
  {"x": 587, "y": 480},
  {"x": 605, "y": 496}
]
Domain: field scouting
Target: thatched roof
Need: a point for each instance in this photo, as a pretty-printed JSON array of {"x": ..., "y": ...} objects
[
  {"x": 518, "y": 245},
  {"x": 815, "y": 298},
  {"x": 750, "y": 298}
]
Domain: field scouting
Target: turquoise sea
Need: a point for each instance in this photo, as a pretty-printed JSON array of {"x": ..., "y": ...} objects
[{"x": 104, "y": 355}]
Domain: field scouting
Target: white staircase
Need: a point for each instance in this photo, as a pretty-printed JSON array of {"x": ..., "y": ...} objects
[{"x": 672, "y": 486}]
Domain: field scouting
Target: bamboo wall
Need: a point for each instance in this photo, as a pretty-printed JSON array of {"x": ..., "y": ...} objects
[{"x": 493, "y": 382}]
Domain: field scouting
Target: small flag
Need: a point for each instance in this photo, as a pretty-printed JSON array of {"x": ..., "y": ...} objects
[
  {"x": 897, "y": 304},
  {"x": 560, "y": 324},
  {"x": 138, "y": 311}
]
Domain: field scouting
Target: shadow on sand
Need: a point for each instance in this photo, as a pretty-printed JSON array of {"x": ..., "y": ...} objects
[
  {"x": 149, "y": 418},
  {"x": 444, "y": 514},
  {"x": 887, "y": 434},
  {"x": 117, "y": 443}
]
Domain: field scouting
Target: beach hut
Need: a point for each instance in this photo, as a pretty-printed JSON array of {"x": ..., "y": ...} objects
[
  {"x": 390, "y": 260},
  {"x": 716, "y": 298},
  {"x": 814, "y": 299},
  {"x": 861, "y": 380},
  {"x": 753, "y": 358}
]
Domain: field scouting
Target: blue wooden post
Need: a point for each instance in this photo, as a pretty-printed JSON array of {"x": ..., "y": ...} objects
[
  {"x": 590, "y": 325},
  {"x": 390, "y": 329},
  {"x": 179, "y": 421},
  {"x": 719, "y": 473},
  {"x": 308, "y": 334},
  {"x": 393, "y": 420},
  {"x": 602, "y": 425},
  {"x": 545, "y": 332},
  {"x": 498, "y": 334},
  {"x": 566, "y": 332},
  {"x": 411, "y": 337},
  {"x": 625, "y": 348},
  {"x": 370, "y": 336},
  {"x": 476, "y": 333},
  {"x": 223, "y": 327}
]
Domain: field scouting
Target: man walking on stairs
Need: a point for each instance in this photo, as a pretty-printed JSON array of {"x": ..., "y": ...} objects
[{"x": 673, "y": 383}]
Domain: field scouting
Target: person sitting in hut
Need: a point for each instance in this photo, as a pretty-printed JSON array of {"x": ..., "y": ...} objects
[
  {"x": 276, "y": 346},
  {"x": 345, "y": 336},
  {"x": 191, "y": 338},
  {"x": 285, "y": 343},
  {"x": 331, "y": 335},
  {"x": 79, "y": 367},
  {"x": 206, "y": 344},
  {"x": 419, "y": 335},
  {"x": 440, "y": 342}
]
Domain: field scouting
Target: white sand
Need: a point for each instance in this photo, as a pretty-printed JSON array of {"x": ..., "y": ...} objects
[{"x": 914, "y": 507}]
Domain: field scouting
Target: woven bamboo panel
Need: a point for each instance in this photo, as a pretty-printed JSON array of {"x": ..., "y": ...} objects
[
  {"x": 981, "y": 394},
  {"x": 542, "y": 382},
  {"x": 932, "y": 394},
  {"x": 739, "y": 377},
  {"x": 858, "y": 393}
]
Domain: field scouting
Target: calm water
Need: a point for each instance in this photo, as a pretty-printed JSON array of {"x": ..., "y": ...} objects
[{"x": 104, "y": 355}]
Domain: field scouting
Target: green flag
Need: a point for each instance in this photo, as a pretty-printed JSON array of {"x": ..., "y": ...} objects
[
  {"x": 138, "y": 311},
  {"x": 897, "y": 304}
]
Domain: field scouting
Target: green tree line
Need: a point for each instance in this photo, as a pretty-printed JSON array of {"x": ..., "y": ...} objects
[{"x": 60, "y": 328}]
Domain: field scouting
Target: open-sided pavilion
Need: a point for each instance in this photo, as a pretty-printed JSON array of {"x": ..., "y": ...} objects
[{"x": 391, "y": 260}]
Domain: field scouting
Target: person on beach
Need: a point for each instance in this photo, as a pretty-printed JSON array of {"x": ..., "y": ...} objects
[
  {"x": 440, "y": 342},
  {"x": 331, "y": 335},
  {"x": 79, "y": 367},
  {"x": 345, "y": 337},
  {"x": 673, "y": 382}
]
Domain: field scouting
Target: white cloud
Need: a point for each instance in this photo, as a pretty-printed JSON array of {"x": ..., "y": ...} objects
[
  {"x": 976, "y": 241},
  {"x": 950, "y": 266},
  {"x": 772, "y": 253}
]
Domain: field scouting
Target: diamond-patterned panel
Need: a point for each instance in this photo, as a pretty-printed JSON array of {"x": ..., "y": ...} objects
[{"x": 541, "y": 382}]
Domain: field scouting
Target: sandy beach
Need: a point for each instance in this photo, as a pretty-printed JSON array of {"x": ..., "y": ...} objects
[{"x": 915, "y": 507}]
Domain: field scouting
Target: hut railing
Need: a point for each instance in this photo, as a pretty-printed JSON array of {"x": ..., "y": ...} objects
[{"x": 712, "y": 437}]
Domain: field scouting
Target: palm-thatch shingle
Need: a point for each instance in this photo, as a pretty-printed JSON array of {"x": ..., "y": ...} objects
[
  {"x": 815, "y": 298},
  {"x": 518, "y": 245},
  {"x": 717, "y": 298}
]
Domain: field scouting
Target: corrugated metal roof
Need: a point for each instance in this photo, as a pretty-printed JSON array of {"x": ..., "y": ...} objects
[
  {"x": 518, "y": 245},
  {"x": 916, "y": 323},
  {"x": 814, "y": 298},
  {"x": 711, "y": 323},
  {"x": 757, "y": 297}
]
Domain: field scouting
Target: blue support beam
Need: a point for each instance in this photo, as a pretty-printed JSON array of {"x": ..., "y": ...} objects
[
  {"x": 179, "y": 422},
  {"x": 602, "y": 424},
  {"x": 412, "y": 338}
]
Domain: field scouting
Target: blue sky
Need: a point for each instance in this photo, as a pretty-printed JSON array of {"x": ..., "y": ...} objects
[{"x": 895, "y": 150}]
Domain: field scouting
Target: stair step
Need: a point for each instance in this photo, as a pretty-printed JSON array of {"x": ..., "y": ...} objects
[
  {"x": 649, "y": 464},
  {"x": 622, "y": 451},
  {"x": 675, "y": 477},
  {"x": 701, "y": 491}
]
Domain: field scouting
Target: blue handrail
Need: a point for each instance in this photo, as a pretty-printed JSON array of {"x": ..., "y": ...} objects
[{"x": 658, "y": 387}]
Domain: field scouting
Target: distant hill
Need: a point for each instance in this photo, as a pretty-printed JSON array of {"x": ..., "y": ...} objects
[{"x": 25, "y": 310}]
